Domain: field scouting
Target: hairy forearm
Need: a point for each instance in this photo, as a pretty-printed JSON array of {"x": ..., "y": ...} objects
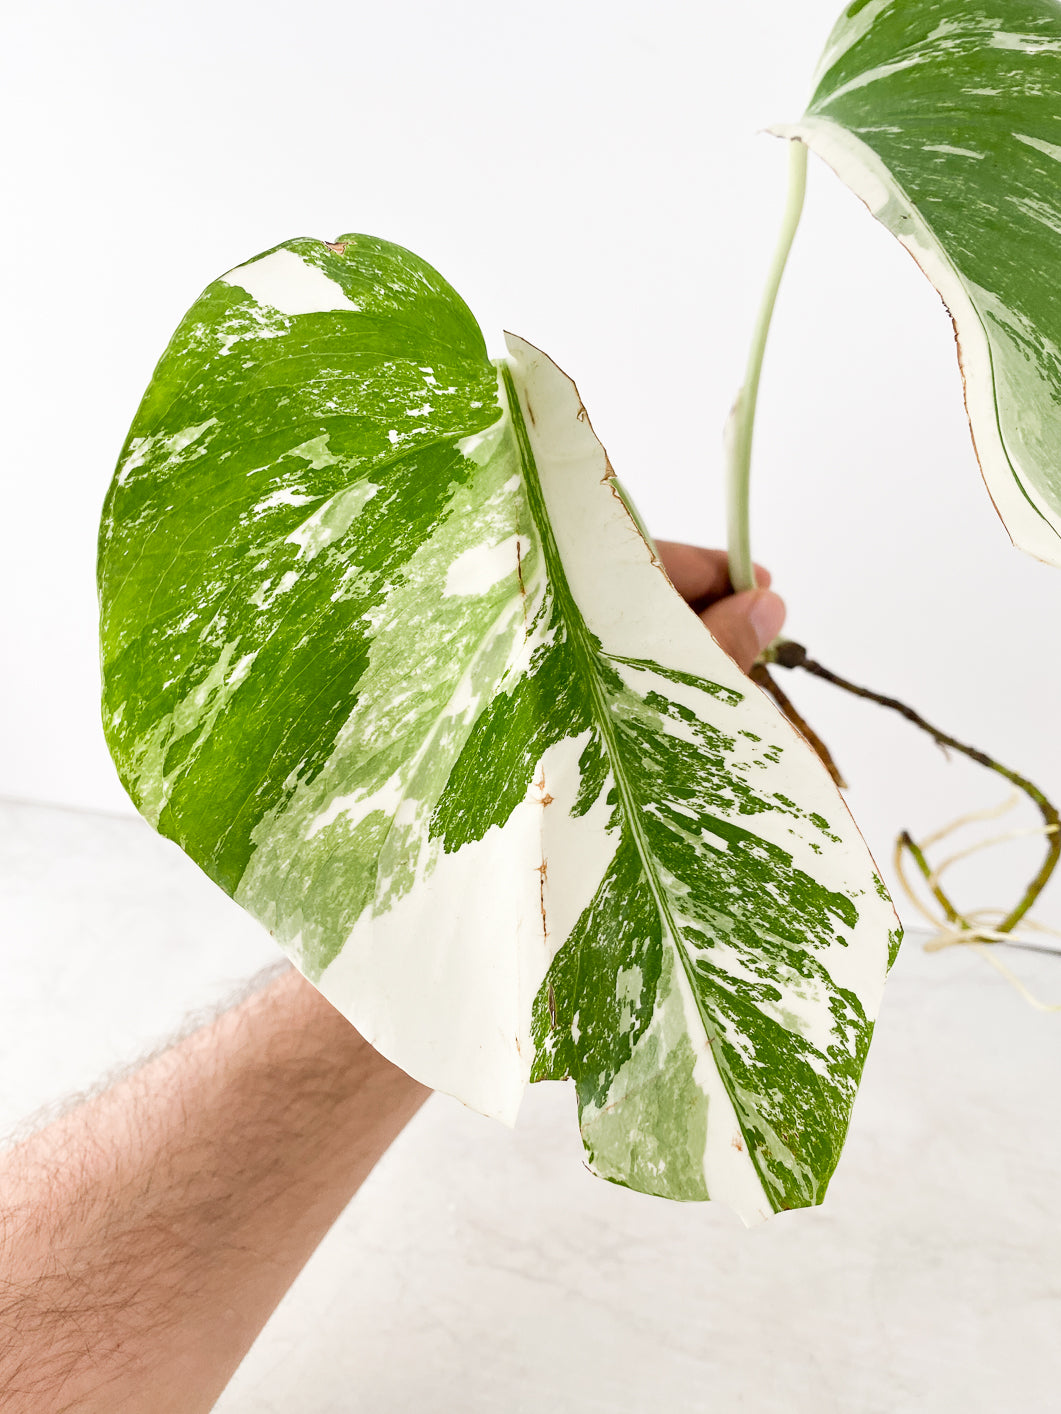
[{"x": 147, "y": 1235}]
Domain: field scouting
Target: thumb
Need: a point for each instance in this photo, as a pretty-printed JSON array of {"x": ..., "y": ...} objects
[{"x": 743, "y": 624}]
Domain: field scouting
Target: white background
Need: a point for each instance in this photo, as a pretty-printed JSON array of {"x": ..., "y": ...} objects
[{"x": 591, "y": 176}]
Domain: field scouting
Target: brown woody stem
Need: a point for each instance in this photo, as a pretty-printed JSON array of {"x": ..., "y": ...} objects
[
  {"x": 761, "y": 675},
  {"x": 794, "y": 655}
]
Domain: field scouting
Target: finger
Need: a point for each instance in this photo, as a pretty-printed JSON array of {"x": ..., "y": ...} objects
[
  {"x": 694, "y": 571},
  {"x": 699, "y": 574},
  {"x": 743, "y": 624}
]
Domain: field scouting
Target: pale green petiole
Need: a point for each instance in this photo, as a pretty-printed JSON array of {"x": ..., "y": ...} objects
[{"x": 742, "y": 419}]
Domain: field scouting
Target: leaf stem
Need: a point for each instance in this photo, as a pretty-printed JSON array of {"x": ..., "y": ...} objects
[
  {"x": 907, "y": 842},
  {"x": 760, "y": 674},
  {"x": 741, "y": 425},
  {"x": 793, "y": 655}
]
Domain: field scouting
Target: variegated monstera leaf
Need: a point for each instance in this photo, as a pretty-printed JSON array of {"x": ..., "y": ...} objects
[
  {"x": 944, "y": 116},
  {"x": 385, "y": 652}
]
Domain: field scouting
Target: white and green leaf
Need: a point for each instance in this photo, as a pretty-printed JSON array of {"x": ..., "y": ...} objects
[
  {"x": 944, "y": 117},
  {"x": 385, "y": 651}
]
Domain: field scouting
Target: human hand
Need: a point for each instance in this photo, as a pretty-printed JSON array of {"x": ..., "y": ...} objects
[{"x": 743, "y": 624}]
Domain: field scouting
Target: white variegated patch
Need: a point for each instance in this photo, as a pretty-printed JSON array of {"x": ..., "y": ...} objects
[{"x": 284, "y": 281}]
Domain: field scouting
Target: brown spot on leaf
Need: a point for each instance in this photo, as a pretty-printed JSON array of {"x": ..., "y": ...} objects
[
  {"x": 522, "y": 587},
  {"x": 543, "y": 867},
  {"x": 338, "y": 246}
]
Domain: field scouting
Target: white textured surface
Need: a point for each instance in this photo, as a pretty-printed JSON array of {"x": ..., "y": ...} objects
[{"x": 481, "y": 1269}]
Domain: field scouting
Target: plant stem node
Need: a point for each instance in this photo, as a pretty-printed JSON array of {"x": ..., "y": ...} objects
[{"x": 789, "y": 655}]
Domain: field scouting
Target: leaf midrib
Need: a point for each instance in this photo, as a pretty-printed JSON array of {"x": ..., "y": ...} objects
[{"x": 569, "y": 611}]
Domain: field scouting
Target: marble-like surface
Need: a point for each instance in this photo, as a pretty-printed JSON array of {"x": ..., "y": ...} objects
[{"x": 481, "y": 1269}]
